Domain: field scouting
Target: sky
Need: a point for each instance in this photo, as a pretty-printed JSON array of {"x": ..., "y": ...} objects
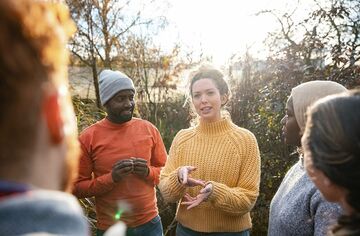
[{"x": 220, "y": 28}]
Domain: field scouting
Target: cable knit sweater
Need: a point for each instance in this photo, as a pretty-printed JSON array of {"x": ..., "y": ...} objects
[
  {"x": 298, "y": 207},
  {"x": 228, "y": 157}
]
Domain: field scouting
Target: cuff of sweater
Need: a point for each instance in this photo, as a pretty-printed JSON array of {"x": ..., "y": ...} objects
[
  {"x": 174, "y": 181},
  {"x": 172, "y": 190},
  {"x": 151, "y": 177},
  {"x": 218, "y": 192},
  {"x": 106, "y": 180}
]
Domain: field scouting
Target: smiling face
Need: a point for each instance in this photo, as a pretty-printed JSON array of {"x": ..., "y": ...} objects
[
  {"x": 290, "y": 130},
  {"x": 120, "y": 108},
  {"x": 207, "y": 100}
]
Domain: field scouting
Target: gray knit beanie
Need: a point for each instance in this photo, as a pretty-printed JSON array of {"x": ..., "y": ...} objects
[
  {"x": 112, "y": 82},
  {"x": 307, "y": 93}
]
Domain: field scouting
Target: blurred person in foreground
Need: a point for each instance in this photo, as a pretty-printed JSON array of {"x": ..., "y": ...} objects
[
  {"x": 298, "y": 207},
  {"x": 213, "y": 170},
  {"x": 332, "y": 155},
  {"x": 38, "y": 139},
  {"x": 121, "y": 161}
]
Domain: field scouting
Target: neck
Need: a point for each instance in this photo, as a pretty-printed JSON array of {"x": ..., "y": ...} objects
[
  {"x": 214, "y": 128},
  {"x": 117, "y": 120},
  {"x": 37, "y": 173}
]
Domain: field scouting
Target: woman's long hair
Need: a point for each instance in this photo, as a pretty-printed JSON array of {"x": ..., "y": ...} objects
[{"x": 332, "y": 136}]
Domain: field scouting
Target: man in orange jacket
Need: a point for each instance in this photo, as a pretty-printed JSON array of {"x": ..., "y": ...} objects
[{"x": 121, "y": 161}]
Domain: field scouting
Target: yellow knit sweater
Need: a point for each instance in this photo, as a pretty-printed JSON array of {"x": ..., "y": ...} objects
[{"x": 228, "y": 157}]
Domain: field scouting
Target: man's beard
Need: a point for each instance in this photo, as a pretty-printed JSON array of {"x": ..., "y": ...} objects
[
  {"x": 123, "y": 118},
  {"x": 118, "y": 118}
]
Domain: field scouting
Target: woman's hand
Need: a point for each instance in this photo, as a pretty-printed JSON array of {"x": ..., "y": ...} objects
[
  {"x": 185, "y": 179},
  {"x": 204, "y": 194}
]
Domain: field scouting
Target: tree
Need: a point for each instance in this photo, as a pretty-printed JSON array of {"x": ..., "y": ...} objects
[
  {"x": 328, "y": 36},
  {"x": 103, "y": 26},
  {"x": 156, "y": 73}
]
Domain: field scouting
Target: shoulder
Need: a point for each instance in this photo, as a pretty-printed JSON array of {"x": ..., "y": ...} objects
[
  {"x": 241, "y": 136},
  {"x": 245, "y": 133},
  {"x": 321, "y": 205},
  {"x": 185, "y": 134},
  {"x": 141, "y": 122},
  {"x": 144, "y": 127},
  {"x": 90, "y": 129},
  {"x": 48, "y": 198},
  {"x": 48, "y": 211}
]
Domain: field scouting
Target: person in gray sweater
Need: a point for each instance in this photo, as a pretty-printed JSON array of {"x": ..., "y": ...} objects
[
  {"x": 42, "y": 211},
  {"x": 298, "y": 207}
]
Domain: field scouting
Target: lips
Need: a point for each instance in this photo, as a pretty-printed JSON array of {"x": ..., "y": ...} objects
[
  {"x": 206, "y": 109},
  {"x": 128, "y": 112}
]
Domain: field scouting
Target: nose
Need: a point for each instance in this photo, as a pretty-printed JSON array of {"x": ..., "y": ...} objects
[
  {"x": 203, "y": 99},
  {"x": 128, "y": 103}
]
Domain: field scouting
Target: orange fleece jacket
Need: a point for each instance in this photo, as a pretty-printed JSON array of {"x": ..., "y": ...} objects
[{"x": 103, "y": 144}]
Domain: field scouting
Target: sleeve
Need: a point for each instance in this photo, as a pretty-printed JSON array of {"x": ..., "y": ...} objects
[
  {"x": 157, "y": 160},
  {"x": 241, "y": 199},
  {"x": 170, "y": 187},
  {"x": 324, "y": 213},
  {"x": 86, "y": 185}
]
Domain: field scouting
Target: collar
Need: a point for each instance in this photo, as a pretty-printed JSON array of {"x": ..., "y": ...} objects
[
  {"x": 9, "y": 188},
  {"x": 215, "y": 128}
]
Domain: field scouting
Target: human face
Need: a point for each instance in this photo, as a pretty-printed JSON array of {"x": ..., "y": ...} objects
[
  {"x": 290, "y": 130},
  {"x": 330, "y": 191},
  {"x": 120, "y": 108},
  {"x": 207, "y": 100}
]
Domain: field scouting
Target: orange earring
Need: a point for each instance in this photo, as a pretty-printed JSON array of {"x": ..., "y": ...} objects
[{"x": 53, "y": 118}]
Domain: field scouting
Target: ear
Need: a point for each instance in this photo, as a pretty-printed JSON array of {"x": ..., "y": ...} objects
[
  {"x": 327, "y": 182},
  {"x": 51, "y": 111},
  {"x": 224, "y": 99}
]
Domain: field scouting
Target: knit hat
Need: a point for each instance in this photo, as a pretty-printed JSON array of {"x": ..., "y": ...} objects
[
  {"x": 307, "y": 93},
  {"x": 112, "y": 82}
]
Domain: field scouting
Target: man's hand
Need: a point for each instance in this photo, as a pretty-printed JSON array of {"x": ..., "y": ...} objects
[
  {"x": 121, "y": 169},
  {"x": 192, "y": 202},
  {"x": 140, "y": 167},
  {"x": 185, "y": 179}
]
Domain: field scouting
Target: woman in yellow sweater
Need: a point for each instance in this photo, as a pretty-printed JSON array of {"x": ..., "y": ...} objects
[{"x": 213, "y": 169}]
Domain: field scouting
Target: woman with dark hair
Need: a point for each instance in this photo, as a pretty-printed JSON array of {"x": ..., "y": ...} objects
[
  {"x": 297, "y": 208},
  {"x": 332, "y": 155},
  {"x": 213, "y": 169}
]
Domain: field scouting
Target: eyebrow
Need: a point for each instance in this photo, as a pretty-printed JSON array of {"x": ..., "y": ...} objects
[
  {"x": 124, "y": 95},
  {"x": 207, "y": 90}
]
